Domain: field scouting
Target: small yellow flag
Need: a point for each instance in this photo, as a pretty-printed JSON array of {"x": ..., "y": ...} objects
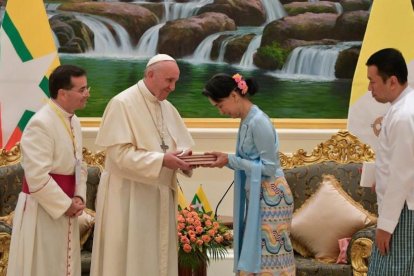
[
  {"x": 182, "y": 202},
  {"x": 200, "y": 202}
]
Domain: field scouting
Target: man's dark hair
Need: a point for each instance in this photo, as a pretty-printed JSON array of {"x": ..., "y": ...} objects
[
  {"x": 61, "y": 78},
  {"x": 390, "y": 62}
]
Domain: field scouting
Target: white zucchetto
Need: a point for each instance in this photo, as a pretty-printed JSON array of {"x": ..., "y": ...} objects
[{"x": 158, "y": 58}]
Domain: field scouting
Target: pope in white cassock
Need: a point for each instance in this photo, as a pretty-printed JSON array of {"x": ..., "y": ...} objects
[
  {"x": 142, "y": 133},
  {"x": 45, "y": 237}
]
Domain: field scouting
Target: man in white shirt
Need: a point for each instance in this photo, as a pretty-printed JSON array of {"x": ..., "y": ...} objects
[
  {"x": 393, "y": 253},
  {"x": 142, "y": 133}
]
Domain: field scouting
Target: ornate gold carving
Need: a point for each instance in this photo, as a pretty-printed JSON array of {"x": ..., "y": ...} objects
[
  {"x": 4, "y": 252},
  {"x": 94, "y": 159},
  {"x": 343, "y": 148},
  {"x": 8, "y": 219},
  {"x": 10, "y": 157},
  {"x": 360, "y": 253}
]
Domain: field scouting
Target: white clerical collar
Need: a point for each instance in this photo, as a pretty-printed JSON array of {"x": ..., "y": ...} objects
[
  {"x": 64, "y": 112},
  {"x": 146, "y": 93}
]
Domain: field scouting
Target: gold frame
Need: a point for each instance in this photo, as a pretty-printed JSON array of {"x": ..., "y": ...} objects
[
  {"x": 234, "y": 123},
  {"x": 342, "y": 147}
]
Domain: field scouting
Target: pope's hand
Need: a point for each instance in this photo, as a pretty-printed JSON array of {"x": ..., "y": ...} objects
[{"x": 171, "y": 161}]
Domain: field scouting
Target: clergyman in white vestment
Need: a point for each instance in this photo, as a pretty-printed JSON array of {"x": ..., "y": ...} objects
[
  {"x": 142, "y": 133},
  {"x": 45, "y": 238}
]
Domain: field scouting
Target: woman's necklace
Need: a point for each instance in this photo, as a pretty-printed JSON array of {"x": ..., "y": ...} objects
[{"x": 163, "y": 145}]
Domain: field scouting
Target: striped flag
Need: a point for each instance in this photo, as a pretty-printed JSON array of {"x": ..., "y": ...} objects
[
  {"x": 27, "y": 57},
  {"x": 200, "y": 202},
  {"x": 182, "y": 201},
  {"x": 390, "y": 25}
]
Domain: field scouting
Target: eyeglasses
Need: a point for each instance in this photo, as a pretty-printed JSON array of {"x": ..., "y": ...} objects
[{"x": 83, "y": 90}]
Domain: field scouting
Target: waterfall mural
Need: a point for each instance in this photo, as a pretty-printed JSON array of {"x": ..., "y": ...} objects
[{"x": 303, "y": 54}]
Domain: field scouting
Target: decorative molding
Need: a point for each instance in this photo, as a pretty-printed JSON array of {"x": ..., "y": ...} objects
[
  {"x": 342, "y": 147},
  {"x": 360, "y": 254},
  {"x": 8, "y": 219},
  {"x": 10, "y": 157},
  {"x": 94, "y": 159},
  {"x": 5, "y": 239},
  {"x": 13, "y": 156},
  {"x": 234, "y": 123}
]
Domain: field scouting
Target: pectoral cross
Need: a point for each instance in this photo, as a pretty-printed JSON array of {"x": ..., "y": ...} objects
[{"x": 164, "y": 146}]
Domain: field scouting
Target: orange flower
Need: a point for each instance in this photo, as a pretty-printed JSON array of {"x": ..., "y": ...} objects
[
  {"x": 205, "y": 238},
  {"x": 187, "y": 248},
  {"x": 219, "y": 239}
]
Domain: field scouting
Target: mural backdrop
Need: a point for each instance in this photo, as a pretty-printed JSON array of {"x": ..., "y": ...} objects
[{"x": 303, "y": 54}]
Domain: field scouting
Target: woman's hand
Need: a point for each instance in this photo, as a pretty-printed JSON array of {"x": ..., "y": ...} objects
[{"x": 221, "y": 161}]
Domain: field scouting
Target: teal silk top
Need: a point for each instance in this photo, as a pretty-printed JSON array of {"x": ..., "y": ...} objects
[{"x": 256, "y": 159}]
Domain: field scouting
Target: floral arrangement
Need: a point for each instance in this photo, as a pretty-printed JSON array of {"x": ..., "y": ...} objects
[{"x": 200, "y": 236}]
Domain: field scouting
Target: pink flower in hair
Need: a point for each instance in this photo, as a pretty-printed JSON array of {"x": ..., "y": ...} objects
[{"x": 241, "y": 83}]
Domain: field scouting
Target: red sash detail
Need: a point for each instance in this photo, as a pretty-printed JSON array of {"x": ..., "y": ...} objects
[{"x": 66, "y": 182}]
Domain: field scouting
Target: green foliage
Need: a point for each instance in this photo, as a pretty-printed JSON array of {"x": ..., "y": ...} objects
[{"x": 273, "y": 54}]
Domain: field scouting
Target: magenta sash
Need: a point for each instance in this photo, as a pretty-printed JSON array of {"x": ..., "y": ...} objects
[{"x": 66, "y": 182}]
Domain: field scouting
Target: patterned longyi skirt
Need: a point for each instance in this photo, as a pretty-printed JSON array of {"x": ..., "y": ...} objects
[{"x": 276, "y": 204}]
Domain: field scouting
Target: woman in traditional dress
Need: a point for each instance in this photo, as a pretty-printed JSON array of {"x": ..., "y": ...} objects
[{"x": 263, "y": 202}]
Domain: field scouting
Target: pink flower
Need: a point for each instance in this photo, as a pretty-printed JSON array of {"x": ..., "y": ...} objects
[
  {"x": 181, "y": 226},
  {"x": 206, "y": 238},
  {"x": 237, "y": 77},
  {"x": 212, "y": 232},
  {"x": 199, "y": 229},
  {"x": 241, "y": 83},
  {"x": 187, "y": 248},
  {"x": 208, "y": 223},
  {"x": 199, "y": 242},
  {"x": 184, "y": 240},
  {"x": 180, "y": 218}
]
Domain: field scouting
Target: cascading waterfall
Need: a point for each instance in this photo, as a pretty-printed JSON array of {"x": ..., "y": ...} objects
[
  {"x": 274, "y": 10},
  {"x": 223, "y": 47},
  {"x": 51, "y": 6},
  {"x": 203, "y": 51},
  {"x": 184, "y": 10},
  {"x": 147, "y": 45},
  {"x": 312, "y": 60},
  {"x": 247, "y": 59},
  {"x": 338, "y": 7},
  {"x": 316, "y": 60},
  {"x": 105, "y": 42}
]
